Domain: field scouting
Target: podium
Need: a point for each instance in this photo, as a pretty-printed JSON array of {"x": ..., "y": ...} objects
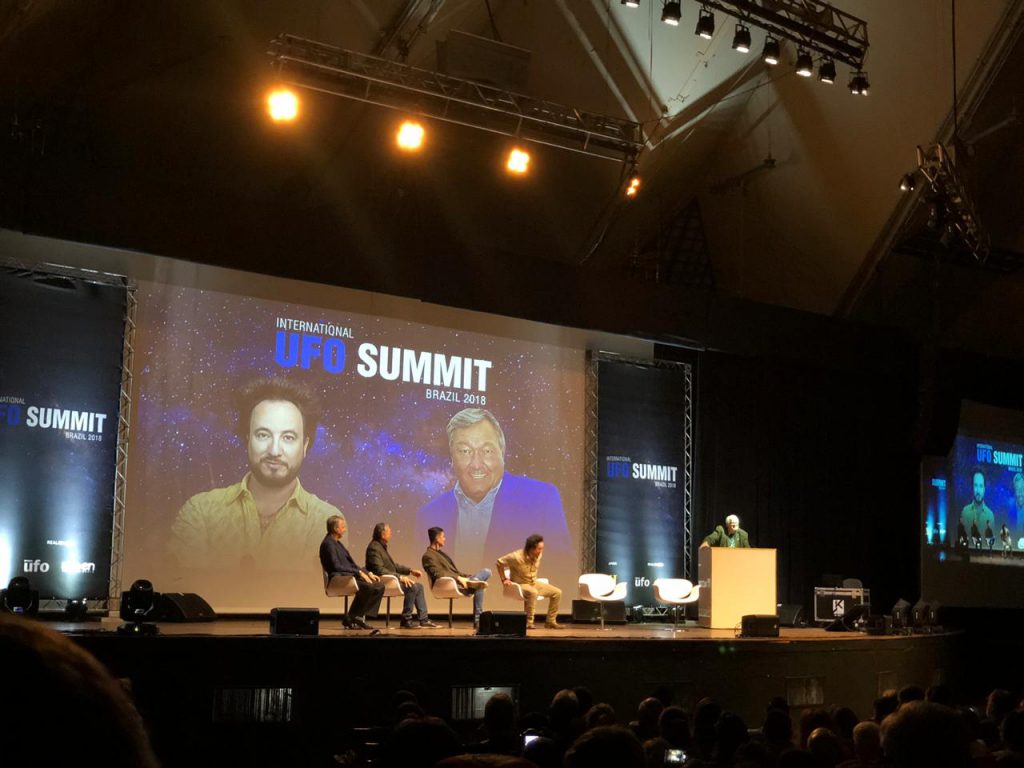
[{"x": 733, "y": 584}]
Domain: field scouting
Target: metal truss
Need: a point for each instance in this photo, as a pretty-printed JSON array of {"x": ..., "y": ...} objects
[
  {"x": 590, "y": 496},
  {"x": 381, "y": 82},
  {"x": 952, "y": 207},
  {"x": 121, "y": 470},
  {"x": 819, "y": 26}
]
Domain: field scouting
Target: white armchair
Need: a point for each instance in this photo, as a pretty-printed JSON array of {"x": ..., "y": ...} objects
[
  {"x": 340, "y": 586},
  {"x": 446, "y": 588},
  {"x": 601, "y": 588},
  {"x": 392, "y": 588},
  {"x": 675, "y": 593}
]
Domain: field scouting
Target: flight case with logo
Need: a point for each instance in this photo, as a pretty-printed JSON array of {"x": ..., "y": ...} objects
[{"x": 831, "y": 603}]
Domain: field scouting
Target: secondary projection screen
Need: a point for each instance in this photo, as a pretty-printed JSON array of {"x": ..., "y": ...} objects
[
  {"x": 973, "y": 513},
  {"x": 385, "y": 389}
]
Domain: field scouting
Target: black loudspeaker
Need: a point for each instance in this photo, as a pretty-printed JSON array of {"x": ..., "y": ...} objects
[
  {"x": 754, "y": 625},
  {"x": 791, "y": 615},
  {"x": 295, "y": 621},
  {"x": 508, "y": 623},
  {"x": 183, "y": 606},
  {"x": 586, "y": 612},
  {"x": 878, "y": 624}
]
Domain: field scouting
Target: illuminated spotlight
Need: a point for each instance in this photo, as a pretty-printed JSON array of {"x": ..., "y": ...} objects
[
  {"x": 634, "y": 185},
  {"x": 770, "y": 55},
  {"x": 518, "y": 161},
  {"x": 741, "y": 40},
  {"x": 671, "y": 13},
  {"x": 859, "y": 84},
  {"x": 138, "y": 609},
  {"x": 908, "y": 182},
  {"x": 410, "y": 136},
  {"x": 76, "y": 609},
  {"x": 804, "y": 64},
  {"x": 631, "y": 3},
  {"x": 282, "y": 105},
  {"x": 827, "y": 71},
  {"x": 705, "y": 24}
]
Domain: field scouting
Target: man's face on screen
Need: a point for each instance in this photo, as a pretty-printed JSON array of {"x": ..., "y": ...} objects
[
  {"x": 477, "y": 459},
  {"x": 277, "y": 445},
  {"x": 979, "y": 487}
]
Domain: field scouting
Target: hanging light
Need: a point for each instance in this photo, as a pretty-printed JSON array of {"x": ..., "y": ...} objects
[
  {"x": 827, "y": 71},
  {"x": 631, "y": 3},
  {"x": 804, "y": 64},
  {"x": 671, "y": 13},
  {"x": 705, "y": 24},
  {"x": 908, "y": 182},
  {"x": 741, "y": 40},
  {"x": 859, "y": 84},
  {"x": 771, "y": 54}
]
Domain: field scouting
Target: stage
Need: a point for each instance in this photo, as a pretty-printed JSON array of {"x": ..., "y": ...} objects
[{"x": 209, "y": 677}]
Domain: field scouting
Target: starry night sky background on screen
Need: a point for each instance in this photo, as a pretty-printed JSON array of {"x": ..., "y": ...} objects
[{"x": 380, "y": 451}]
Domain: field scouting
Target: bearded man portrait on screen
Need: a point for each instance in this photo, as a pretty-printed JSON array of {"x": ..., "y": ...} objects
[{"x": 490, "y": 511}]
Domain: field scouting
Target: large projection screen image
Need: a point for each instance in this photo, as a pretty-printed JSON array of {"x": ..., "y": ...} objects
[{"x": 238, "y": 396}]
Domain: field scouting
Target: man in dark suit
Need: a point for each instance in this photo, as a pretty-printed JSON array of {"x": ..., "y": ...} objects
[
  {"x": 490, "y": 512},
  {"x": 379, "y": 562},
  {"x": 730, "y": 536},
  {"x": 437, "y": 564},
  {"x": 336, "y": 560}
]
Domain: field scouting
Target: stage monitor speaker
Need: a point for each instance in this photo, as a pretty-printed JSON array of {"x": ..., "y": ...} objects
[
  {"x": 507, "y": 623},
  {"x": 791, "y": 615},
  {"x": 755, "y": 625},
  {"x": 587, "y": 612},
  {"x": 183, "y": 606},
  {"x": 878, "y": 624},
  {"x": 294, "y": 621}
]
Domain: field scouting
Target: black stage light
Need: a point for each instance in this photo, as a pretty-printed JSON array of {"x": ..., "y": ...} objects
[
  {"x": 19, "y": 597},
  {"x": 827, "y": 71},
  {"x": 901, "y": 614},
  {"x": 859, "y": 84},
  {"x": 671, "y": 13},
  {"x": 908, "y": 182},
  {"x": 76, "y": 609},
  {"x": 804, "y": 63},
  {"x": 705, "y": 24},
  {"x": 771, "y": 52},
  {"x": 137, "y": 605},
  {"x": 631, "y": 3},
  {"x": 741, "y": 40}
]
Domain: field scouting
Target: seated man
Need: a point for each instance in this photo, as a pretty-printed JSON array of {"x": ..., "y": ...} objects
[
  {"x": 730, "y": 536},
  {"x": 437, "y": 564},
  {"x": 336, "y": 560},
  {"x": 521, "y": 566},
  {"x": 379, "y": 562}
]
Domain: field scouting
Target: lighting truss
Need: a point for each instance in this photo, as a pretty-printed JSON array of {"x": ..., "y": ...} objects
[
  {"x": 816, "y": 25},
  {"x": 953, "y": 207},
  {"x": 372, "y": 80}
]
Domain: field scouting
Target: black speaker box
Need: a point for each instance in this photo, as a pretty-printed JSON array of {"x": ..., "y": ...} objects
[
  {"x": 509, "y": 623},
  {"x": 294, "y": 621},
  {"x": 586, "y": 612},
  {"x": 183, "y": 606},
  {"x": 754, "y": 625},
  {"x": 791, "y": 615},
  {"x": 878, "y": 625}
]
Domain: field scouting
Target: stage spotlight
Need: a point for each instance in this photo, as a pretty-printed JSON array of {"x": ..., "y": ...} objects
[
  {"x": 671, "y": 13},
  {"x": 705, "y": 24},
  {"x": 771, "y": 52},
  {"x": 282, "y": 105},
  {"x": 518, "y": 161},
  {"x": 631, "y": 3},
  {"x": 901, "y": 614},
  {"x": 633, "y": 187},
  {"x": 76, "y": 609},
  {"x": 908, "y": 182},
  {"x": 741, "y": 40},
  {"x": 19, "y": 597},
  {"x": 137, "y": 605},
  {"x": 827, "y": 71},
  {"x": 859, "y": 84},
  {"x": 410, "y": 136},
  {"x": 804, "y": 64}
]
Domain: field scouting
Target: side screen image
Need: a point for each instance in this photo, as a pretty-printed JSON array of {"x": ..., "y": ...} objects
[{"x": 258, "y": 420}]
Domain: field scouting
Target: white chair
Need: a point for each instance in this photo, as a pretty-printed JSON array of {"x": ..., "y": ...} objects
[
  {"x": 392, "y": 588},
  {"x": 340, "y": 586},
  {"x": 446, "y": 588},
  {"x": 675, "y": 593},
  {"x": 514, "y": 591},
  {"x": 601, "y": 588}
]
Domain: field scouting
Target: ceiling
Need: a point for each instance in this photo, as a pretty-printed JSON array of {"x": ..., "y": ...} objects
[{"x": 141, "y": 125}]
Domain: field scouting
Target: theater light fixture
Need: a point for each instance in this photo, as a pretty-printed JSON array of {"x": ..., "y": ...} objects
[
  {"x": 827, "y": 71},
  {"x": 282, "y": 105},
  {"x": 138, "y": 609},
  {"x": 631, "y": 3},
  {"x": 19, "y": 597},
  {"x": 705, "y": 24},
  {"x": 518, "y": 162},
  {"x": 908, "y": 182},
  {"x": 671, "y": 13},
  {"x": 859, "y": 84},
  {"x": 741, "y": 40},
  {"x": 804, "y": 64},
  {"x": 633, "y": 187},
  {"x": 771, "y": 52},
  {"x": 76, "y": 609},
  {"x": 410, "y": 136}
]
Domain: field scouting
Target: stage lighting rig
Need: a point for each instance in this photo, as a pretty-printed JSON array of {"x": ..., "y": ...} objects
[
  {"x": 19, "y": 597},
  {"x": 361, "y": 77},
  {"x": 138, "y": 609}
]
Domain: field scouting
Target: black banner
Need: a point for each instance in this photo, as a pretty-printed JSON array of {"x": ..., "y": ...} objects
[
  {"x": 642, "y": 491},
  {"x": 60, "y": 374}
]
